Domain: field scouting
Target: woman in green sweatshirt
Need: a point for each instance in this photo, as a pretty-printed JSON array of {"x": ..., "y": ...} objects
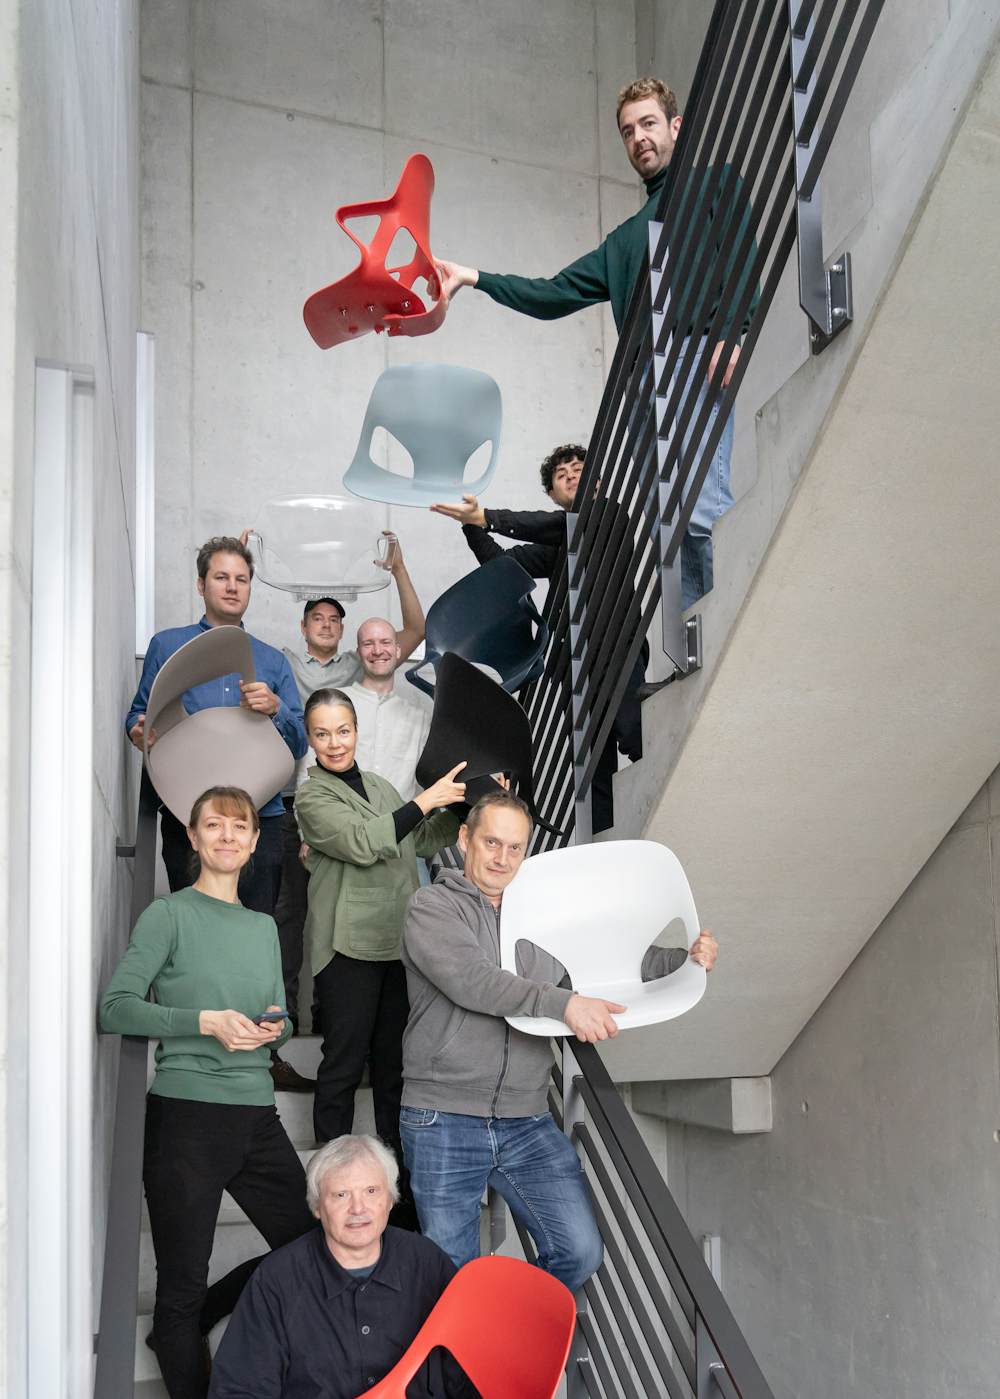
[
  {"x": 363, "y": 845},
  {"x": 211, "y": 1124}
]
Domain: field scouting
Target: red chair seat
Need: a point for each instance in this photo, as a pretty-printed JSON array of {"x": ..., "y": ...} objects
[
  {"x": 508, "y": 1325},
  {"x": 374, "y": 296}
]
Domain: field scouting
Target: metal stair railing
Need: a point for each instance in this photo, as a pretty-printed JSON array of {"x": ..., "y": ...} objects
[
  {"x": 742, "y": 190},
  {"x": 114, "y": 1344},
  {"x": 652, "y": 1321}
]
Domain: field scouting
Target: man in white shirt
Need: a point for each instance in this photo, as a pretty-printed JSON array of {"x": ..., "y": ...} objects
[{"x": 392, "y": 727}]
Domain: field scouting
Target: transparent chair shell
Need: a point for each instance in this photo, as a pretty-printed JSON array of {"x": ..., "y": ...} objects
[
  {"x": 320, "y": 546},
  {"x": 441, "y": 414},
  {"x": 225, "y": 745},
  {"x": 597, "y": 909}
]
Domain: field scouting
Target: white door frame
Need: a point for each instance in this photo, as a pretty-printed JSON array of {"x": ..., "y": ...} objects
[{"x": 60, "y": 890}]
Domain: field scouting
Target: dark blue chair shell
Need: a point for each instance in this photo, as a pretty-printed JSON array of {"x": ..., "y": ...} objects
[{"x": 489, "y": 619}]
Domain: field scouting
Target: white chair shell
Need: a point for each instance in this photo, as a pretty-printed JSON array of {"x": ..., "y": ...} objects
[{"x": 597, "y": 909}]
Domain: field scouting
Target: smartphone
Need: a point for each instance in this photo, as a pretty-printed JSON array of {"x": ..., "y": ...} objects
[{"x": 269, "y": 1017}]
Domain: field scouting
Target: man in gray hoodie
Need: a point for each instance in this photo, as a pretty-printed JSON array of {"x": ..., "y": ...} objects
[{"x": 474, "y": 1101}]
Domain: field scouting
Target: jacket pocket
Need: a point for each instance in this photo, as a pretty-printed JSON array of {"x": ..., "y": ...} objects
[
  {"x": 468, "y": 1057},
  {"x": 373, "y": 923}
]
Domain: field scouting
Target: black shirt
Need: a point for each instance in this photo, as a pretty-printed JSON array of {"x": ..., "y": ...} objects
[
  {"x": 305, "y": 1329},
  {"x": 545, "y": 531}
]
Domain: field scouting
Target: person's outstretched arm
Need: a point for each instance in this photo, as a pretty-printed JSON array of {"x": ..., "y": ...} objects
[
  {"x": 534, "y": 526},
  {"x": 583, "y": 283},
  {"x": 411, "y": 633},
  {"x": 546, "y": 527}
]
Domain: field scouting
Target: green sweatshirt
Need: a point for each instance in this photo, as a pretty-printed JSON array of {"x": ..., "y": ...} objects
[
  {"x": 198, "y": 953},
  {"x": 610, "y": 272}
]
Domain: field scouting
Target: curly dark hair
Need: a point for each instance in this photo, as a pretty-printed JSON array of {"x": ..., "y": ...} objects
[{"x": 570, "y": 451}]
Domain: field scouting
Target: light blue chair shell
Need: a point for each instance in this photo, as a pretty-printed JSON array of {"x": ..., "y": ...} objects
[{"x": 441, "y": 414}]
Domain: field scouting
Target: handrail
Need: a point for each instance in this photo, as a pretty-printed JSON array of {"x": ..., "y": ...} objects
[
  {"x": 742, "y": 189},
  {"x": 718, "y": 1340},
  {"x": 653, "y": 1307},
  {"x": 114, "y": 1344}
]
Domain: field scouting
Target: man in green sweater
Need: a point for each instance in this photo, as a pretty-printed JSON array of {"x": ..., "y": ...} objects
[{"x": 649, "y": 124}]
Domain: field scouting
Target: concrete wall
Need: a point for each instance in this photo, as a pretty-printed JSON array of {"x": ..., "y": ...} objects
[
  {"x": 258, "y": 120},
  {"x": 669, "y": 36},
  {"x": 861, "y": 1237},
  {"x": 69, "y": 293}
]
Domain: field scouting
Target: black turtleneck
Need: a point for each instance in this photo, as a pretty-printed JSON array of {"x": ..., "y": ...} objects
[{"x": 405, "y": 818}]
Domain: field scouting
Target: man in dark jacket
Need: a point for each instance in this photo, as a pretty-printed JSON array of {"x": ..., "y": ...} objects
[
  {"x": 649, "y": 124},
  {"x": 332, "y": 1313},
  {"x": 474, "y": 1100},
  {"x": 542, "y": 555}
]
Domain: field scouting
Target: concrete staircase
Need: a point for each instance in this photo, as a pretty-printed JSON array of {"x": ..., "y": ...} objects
[{"x": 236, "y": 1239}]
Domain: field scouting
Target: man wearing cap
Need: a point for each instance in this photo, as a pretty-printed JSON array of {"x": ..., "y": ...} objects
[{"x": 318, "y": 664}]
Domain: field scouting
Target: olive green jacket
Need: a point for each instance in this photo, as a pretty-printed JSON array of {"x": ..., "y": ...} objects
[{"x": 360, "y": 880}]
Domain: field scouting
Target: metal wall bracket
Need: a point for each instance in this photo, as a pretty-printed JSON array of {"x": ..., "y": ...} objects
[
  {"x": 708, "y": 1363},
  {"x": 824, "y": 293}
]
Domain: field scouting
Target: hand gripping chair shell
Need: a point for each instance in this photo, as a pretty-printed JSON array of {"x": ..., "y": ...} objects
[
  {"x": 317, "y": 546},
  {"x": 223, "y": 746},
  {"x": 374, "y": 296},
  {"x": 475, "y": 721},
  {"x": 487, "y": 618},
  {"x": 597, "y": 909},
  {"x": 508, "y": 1325},
  {"x": 441, "y": 414}
]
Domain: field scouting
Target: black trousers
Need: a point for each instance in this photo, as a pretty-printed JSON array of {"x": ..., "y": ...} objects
[
  {"x": 290, "y": 909},
  {"x": 626, "y": 737},
  {"x": 260, "y": 879},
  {"x": 193, "y": 1152},
  {"x": 363, "y": 1012}
]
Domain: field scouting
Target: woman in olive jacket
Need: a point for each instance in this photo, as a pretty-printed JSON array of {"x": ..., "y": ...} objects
[{"x": 363, "y": 841}]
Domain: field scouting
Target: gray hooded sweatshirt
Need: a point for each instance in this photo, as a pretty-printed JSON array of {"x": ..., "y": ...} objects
[{"x": 459, "y": 1053}]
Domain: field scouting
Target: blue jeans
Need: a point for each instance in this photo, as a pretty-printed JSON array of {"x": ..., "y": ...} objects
[
  {"x": 452, "y": 1158},
  {"x": 715, "y": 496}
]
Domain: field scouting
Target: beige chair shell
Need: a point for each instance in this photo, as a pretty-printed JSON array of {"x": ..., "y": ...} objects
[{"x": 224, "y": 746}]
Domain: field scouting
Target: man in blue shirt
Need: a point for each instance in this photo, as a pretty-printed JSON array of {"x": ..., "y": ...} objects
[{"x": 225, "y": 572}]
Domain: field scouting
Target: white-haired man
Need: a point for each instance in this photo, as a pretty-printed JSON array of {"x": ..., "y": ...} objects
[{"x": 333, "y": 1312}]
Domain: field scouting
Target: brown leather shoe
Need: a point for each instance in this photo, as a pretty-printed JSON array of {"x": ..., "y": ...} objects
[{"x": 287, "y": 1079}]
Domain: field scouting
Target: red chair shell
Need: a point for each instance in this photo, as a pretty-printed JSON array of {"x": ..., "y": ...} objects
[
  {"x": 374, "y": 296},
  {"x": 508, "y": 1324}
]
